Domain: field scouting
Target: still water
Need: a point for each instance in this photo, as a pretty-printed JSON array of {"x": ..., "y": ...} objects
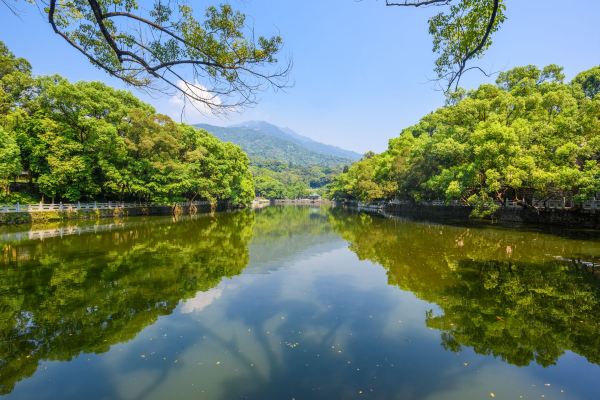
[{"x": 297, "y": 303}]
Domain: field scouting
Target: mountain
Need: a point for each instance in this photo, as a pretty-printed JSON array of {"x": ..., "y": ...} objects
[
  {"x": 265, "y": 141},
  {"x": 307, "y": 142}
]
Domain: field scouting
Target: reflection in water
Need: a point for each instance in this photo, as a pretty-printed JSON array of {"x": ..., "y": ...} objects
[
  {"x": 521, "y": 312},
  {"x": 283, "y": 234},
  {"x": 520, "y": 296},
  {"x": 301, "y": 316},
  {"x": 61, "y": 297}
]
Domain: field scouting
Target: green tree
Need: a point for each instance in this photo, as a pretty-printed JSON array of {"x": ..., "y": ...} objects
[
  {"x": 88, "y": 141},
  {"x": 269, "y": 187},
  {"x": 589, "y": 81},
  {"x": 10, "y": 162},
  {"x": 529, "y": 138},
  {"x": 364, "y": 180},
  {"x": 15, "y": 79}
]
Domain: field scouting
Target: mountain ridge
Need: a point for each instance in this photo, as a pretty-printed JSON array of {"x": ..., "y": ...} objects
[{"x": 263, "y": 140}]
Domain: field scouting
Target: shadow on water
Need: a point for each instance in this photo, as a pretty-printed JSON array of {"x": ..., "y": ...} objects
[
  {"x": 101, "y": 285},
  {"x": 464, "y": 222},
  {"x": 523, "y": 313}
]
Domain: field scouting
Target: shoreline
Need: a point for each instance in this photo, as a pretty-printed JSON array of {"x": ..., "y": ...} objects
[
  {"x": 57, "y": 213},
  {"x": 551, "y": 218}
]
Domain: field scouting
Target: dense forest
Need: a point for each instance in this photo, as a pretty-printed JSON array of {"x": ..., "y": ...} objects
[
  {"x": 68, "y": 141},
  {"x": 529, "y": 138},
  {"x": 283, "y": 180}
]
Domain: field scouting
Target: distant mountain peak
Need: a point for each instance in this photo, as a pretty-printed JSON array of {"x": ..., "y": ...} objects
[
  {"x": 263, "y": 140},
  {"x": 255, "y": 124},
  {"x": 312, "y": 144}
]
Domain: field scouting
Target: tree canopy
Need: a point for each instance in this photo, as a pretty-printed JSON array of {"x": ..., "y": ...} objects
[
  {"x": 85, "y": 140},
  {"x": 282, "y": 180},
  {"x": 529, "y": 138}
]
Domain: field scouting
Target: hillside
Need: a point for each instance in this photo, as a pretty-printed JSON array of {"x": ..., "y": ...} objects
[
  {"x": 266, "y": 142},
  {"x": 284, "y": 163}
]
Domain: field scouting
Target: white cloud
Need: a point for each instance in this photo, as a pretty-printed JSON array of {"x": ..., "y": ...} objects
[
  {"x": 201, "y": 301},
  {"x": 188, "y": 109}
]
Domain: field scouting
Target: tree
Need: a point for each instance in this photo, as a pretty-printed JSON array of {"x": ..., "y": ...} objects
[
  {"x": 10, "y": 163},
  {"x": 589, "y": 81},
  {"x": 269, "y": 187},
  {"x": 459, "y": 35},
  {"x": 365, "y": 180},
  {"x": 15, "y": 79},
  {"x": 529, "y": 138},
  {"x": 88, "y": 141},
  {"x": 216, "y": 61},
  {"x": 214, "y": 170}
]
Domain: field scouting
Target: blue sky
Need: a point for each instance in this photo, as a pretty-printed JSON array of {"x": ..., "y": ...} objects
[{"x": 361, "y": 70}]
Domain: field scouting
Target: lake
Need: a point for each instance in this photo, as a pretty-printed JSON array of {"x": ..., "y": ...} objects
[{"x": 297, "y": 303}]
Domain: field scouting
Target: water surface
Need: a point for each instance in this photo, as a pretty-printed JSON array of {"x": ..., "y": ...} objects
[{"x": 297, "y": 303}]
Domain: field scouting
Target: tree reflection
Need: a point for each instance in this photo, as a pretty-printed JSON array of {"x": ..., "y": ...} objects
[
  {"x": 61, "y": 297},
  {"x": 521, "y": 296},
  {"x": 521, "y": 312}
]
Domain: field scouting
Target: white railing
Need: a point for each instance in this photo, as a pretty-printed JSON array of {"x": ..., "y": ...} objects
[{"x": 42, "y": 207}]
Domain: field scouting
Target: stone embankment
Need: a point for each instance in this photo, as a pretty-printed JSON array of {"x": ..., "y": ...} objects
[
  {"x": 558, "y": 213},
  {"x": 39, "y": 213}
]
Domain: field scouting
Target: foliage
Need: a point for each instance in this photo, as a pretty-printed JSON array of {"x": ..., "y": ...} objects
[
  {"x": 285, "y": 164},
  {"x": 472, "y": 19},
  {"x": 86, "y": 140},
  {"x": 10, "y": 160},
  {"x": 279, "y": 180},
  {"x": 461, "y": 34},
  {"x": 365, "y": 180},
  {"x": 216, "y": 61},
  {"x": 15, "y": 79},
  {"x": 530, "y": 138}
]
